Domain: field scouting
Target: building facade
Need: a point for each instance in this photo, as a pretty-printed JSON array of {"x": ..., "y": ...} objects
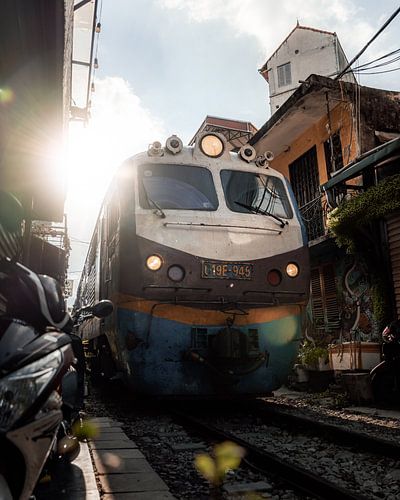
[
  {"x": 236, "y": 132},
  {"x": 304, "y": 51},
  {"x": 325, "y": 126}
]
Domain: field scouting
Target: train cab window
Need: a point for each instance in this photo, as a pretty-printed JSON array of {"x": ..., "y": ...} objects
[
  {"x": 249, "y": 192},
  {"x": 176, "y": 187}
]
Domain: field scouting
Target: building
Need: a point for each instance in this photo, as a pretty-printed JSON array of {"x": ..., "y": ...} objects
[
  {"x": 44, "y": 66},
  {"x": 237, "y": 132},
  {"x": 35, "y": 69},
  {"x": 374, "y": 224},
  {"x": 304, "y": 51},
  {"x": 324, "y": 127}
]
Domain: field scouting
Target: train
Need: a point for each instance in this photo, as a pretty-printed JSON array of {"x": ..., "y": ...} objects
[{"x": 204, "y": 255}]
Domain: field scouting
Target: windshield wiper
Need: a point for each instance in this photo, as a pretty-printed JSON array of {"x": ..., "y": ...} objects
[
  {"x": 158, "y": 210},
  {"x": 257, "y": 210}
]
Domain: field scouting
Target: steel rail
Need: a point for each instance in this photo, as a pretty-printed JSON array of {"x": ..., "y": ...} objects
[
  {"x": 299, "y": 479},
  {"x": 334, "y": 431}
]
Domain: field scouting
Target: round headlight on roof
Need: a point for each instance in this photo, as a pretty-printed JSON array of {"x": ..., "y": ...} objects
[
  {"x": 174, "y": 145},
  {"x": 211, "y": 145},
  {"x": 154, "y": 262}
]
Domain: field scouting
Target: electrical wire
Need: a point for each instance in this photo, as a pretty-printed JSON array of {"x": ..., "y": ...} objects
[
  {"x": 379, "y": 72},
  {"x": 382, "y": 65},
  {"x": 357, "y": 56},
  {"x": 76, "y": 240},
  {"x": 361, "y": 66}
]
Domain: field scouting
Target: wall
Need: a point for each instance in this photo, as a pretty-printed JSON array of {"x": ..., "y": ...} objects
[
  {"x": 341, "y": 119},
  {"x": 379, "y": 110},
  {"x": 308, "y": 52}
]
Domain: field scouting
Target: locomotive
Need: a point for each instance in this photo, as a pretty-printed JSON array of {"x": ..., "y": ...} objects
[{"x": 204, "y": 255}]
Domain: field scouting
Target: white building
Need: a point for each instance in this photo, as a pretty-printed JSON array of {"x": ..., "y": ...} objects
[{"x": 305, "y": 51}]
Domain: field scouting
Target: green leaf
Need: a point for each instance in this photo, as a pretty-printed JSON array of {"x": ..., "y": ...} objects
[{"x": 206, "y": 466}]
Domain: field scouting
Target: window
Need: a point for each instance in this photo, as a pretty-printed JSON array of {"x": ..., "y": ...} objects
[
  {"x": 284, "y": 75},
  {"x": 304, "y": 178},
  {"x": 333, "y": 153},
  {"x": 248, "y": 192},
  {"x": 176, "y": 187}
]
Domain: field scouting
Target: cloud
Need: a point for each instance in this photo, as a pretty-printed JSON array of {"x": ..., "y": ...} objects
[
  {"x": 119, "y": 116},
  {"x": 270, "y": 24},
  {"x": 119, "y": 127}
]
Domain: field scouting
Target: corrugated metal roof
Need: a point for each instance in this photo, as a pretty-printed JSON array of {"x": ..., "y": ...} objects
[{"x": 371, "y": 158}]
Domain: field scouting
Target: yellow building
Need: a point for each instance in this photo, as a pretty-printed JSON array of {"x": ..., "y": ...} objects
[{"x": 325, "y": 126}]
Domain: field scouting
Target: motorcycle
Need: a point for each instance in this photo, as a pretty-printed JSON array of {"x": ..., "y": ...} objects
[
  {"x": 385, "y": 377},
  {"x": 34, "y": 357},
  {"x": 41, "y": 392}
]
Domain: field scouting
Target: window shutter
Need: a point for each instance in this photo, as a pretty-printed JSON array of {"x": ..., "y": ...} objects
[{"x": 325, "y": 307}]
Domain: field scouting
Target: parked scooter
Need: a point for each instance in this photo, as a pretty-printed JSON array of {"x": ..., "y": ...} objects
[
  {"x": 385, "y": 377},
  {"x": 41, "y": 364},
  {"x": 41, "y": 377},
  {"x": 34, "y": 357}
]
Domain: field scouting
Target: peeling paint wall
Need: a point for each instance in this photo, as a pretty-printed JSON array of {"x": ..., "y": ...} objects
[
  {"x": 342, "y": 121},
  {"x": 379, "y": 110}
]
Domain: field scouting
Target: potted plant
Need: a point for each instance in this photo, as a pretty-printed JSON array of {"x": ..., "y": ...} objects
[{"x": 314, "y": 357}]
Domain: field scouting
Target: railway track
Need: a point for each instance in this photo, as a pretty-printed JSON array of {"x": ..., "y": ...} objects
[
  {"x": 297, "y": 456},
  {"x": 299, "y": 479},
  {"x": 337, "y": 433}
]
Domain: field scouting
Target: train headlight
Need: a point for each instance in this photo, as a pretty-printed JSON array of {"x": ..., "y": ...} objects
[
  {"x": 154, "y": 262},
  {"x": 247, "y": 152},
  {"x": 292, "y": 269},
  {"x": 176, "y": 273},
  {"x": 212, "y": 145},
  {"x": 174, "y": 145}
]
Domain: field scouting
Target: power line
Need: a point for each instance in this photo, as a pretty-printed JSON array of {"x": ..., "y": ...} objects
[
  {"x": 378, "y": 59},
  {"x": 76, "y": 240},
  {"x": 380, "y": 72},
  {"x": 381, "y": 65},
  {"x": 368, "y": 43}
]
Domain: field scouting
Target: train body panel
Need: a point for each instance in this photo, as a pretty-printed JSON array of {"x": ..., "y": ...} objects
[
  {"x": 206, "y": 263},
  {"x": 216, "y": 233},
  {"x": 197, "y": 354}
]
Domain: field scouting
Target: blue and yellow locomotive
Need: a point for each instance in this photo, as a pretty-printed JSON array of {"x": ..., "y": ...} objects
[{"x": 203, "y": 253}]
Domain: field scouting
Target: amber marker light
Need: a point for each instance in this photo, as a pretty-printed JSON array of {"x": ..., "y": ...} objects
[
  {"x": 212, "y": 145},
  {"x": 154, "y": 262},
  {"x": 292, "y": 270}
]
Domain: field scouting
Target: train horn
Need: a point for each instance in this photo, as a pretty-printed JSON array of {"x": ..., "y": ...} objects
[
  {"x": 155, "y": 149},
  {"x": 263, "y": 160},
  {"x": 269, "y": 155}
]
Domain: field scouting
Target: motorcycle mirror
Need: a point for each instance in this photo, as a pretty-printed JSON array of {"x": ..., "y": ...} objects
[{"x": 102, "y": 309}]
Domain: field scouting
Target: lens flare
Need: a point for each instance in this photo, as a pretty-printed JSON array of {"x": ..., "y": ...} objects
[{"x": 6, "y": 96}]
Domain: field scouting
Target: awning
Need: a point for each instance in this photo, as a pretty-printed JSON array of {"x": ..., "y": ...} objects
[{"x": 370, "y": 159}]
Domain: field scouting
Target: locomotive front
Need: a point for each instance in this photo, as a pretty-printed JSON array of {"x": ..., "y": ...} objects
[{"x": 213, "y": 272}]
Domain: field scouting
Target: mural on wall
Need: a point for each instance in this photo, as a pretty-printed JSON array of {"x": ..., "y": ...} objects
[{"x": 358, "y": 321}]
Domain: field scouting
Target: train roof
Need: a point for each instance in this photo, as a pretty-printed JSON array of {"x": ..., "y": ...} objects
[{"x": 210, "y": 150}]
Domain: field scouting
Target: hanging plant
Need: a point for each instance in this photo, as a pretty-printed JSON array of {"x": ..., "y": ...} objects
[
  {"x": 353, "y": 225},
  {"x": 347, "y": 221}
]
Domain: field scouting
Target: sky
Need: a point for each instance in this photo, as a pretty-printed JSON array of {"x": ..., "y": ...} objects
[{"x": 166, "y": 64}]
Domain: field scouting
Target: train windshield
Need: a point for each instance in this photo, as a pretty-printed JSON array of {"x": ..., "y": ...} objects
[
  {"x": 177, "y": 187},
  {"x": 250, "y": 192}
]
